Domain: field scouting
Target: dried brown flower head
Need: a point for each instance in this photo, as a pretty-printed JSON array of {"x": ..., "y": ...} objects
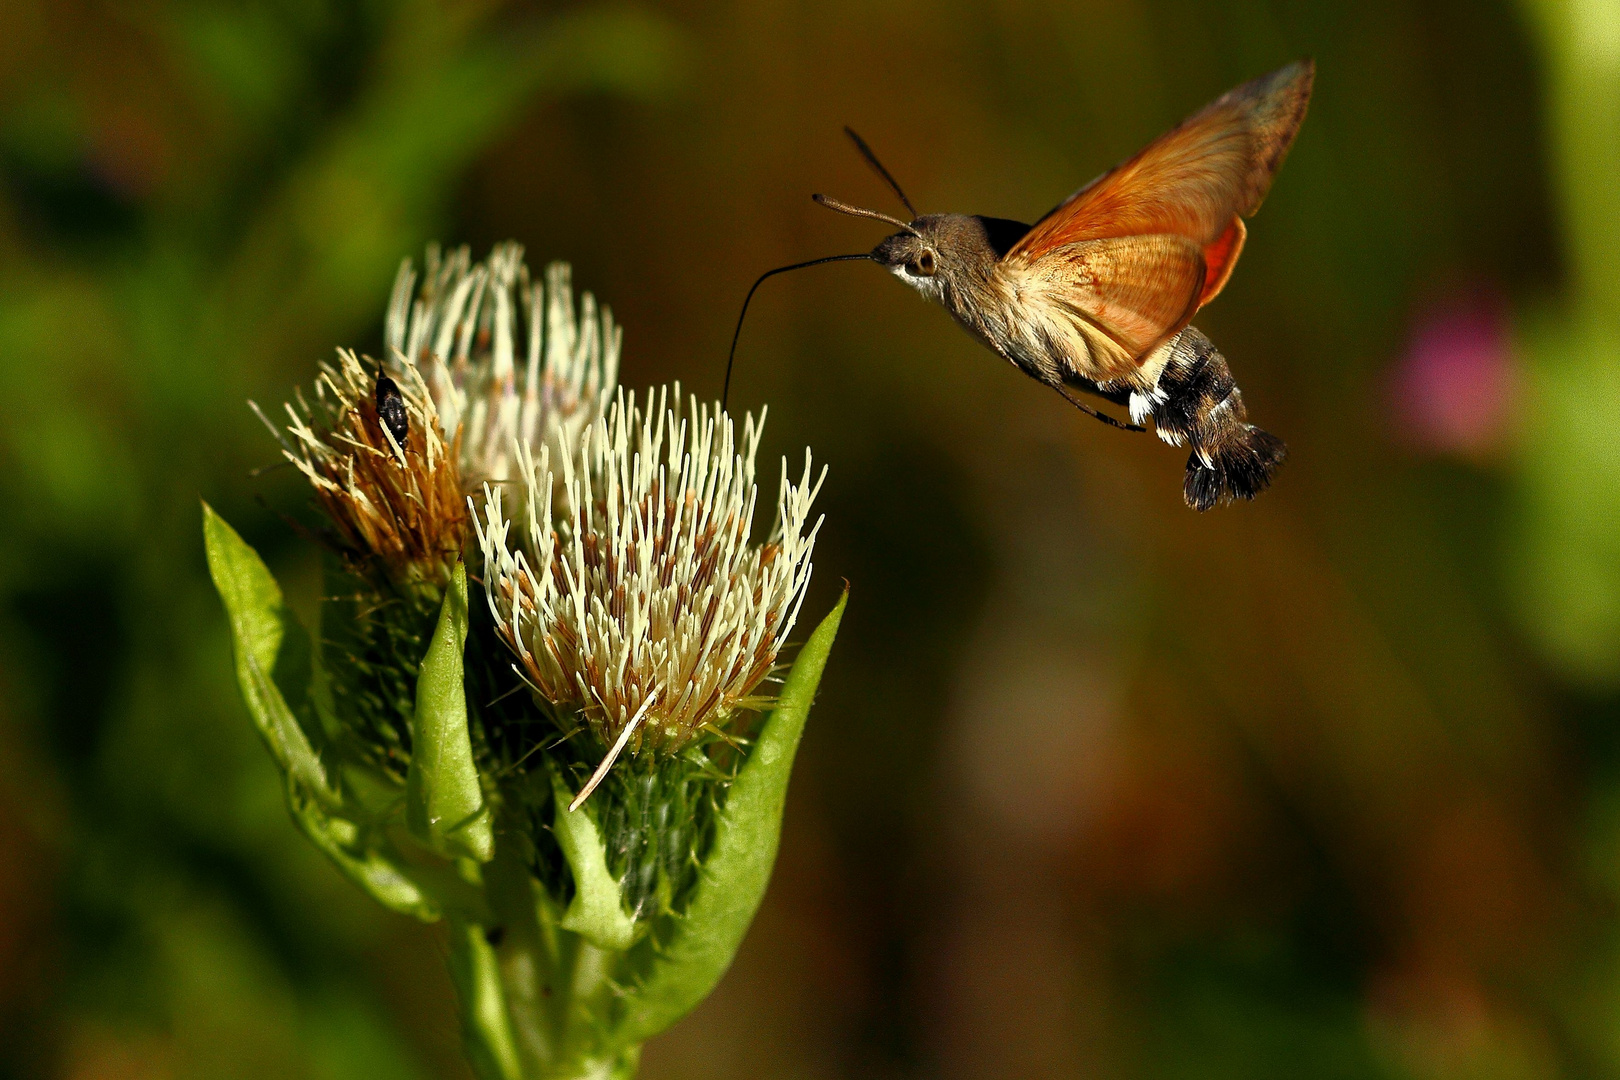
[{"x": 397, "y": 500}]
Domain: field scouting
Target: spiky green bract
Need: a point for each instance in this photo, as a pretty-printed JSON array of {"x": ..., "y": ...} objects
[
  {"x": 596, "y": 913},
  {"x": 372, "y": 643}
]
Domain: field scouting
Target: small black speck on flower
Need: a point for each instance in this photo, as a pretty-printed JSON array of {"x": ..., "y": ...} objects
[{"x": 391, "y": 409}]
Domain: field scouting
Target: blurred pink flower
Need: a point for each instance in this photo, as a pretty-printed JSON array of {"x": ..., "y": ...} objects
[{"x": 1453, "y": 391}]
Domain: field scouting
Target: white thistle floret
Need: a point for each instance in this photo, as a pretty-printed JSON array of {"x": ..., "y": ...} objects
[
  {"x": 508, "y": 360},
  {"x": 633, "y": 599}
]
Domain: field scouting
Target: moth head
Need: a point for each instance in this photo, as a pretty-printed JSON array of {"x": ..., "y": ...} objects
[
  {"x": 940, "y": 254},
  {"x": 912, "y": 256}
]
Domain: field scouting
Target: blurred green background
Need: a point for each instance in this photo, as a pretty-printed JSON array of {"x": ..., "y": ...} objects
[{"x": 1323, "y": 786}]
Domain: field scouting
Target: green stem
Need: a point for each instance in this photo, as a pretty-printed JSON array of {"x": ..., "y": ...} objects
[{"x": 536, "y": 1009}]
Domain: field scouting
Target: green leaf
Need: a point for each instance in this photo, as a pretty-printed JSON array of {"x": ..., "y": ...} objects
[
  {"x": 273, "y": 662},
  {"x": 679, "y": 973},
  {"x": 272, "y": 653},
  {"x": 444, "y": 800},
  {"x": 597, "y": 911},
  {"x": 364, "y": 856}
]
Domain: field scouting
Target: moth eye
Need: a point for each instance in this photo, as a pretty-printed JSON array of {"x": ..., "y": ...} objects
[{"x": 924, "y": 264}]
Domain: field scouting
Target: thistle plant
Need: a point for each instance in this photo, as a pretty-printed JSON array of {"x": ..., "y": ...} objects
[{"x": 583, "y": 774}]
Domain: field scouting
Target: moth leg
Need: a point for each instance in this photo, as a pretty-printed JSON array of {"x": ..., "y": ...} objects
[
  {"x": 1056, "y": 383},
  {"x": 1089, "y": 386},
  {"x": 1089, "y": 411}
]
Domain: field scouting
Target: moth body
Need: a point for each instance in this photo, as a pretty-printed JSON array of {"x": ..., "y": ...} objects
[
  {"x": 1184, "y": 386},
  {"x": 1099, "y": 295},
  {"x": 960, "y": 262}
]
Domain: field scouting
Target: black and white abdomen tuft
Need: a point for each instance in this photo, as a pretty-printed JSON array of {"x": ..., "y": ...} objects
[{"x": 1196, "y": 403}]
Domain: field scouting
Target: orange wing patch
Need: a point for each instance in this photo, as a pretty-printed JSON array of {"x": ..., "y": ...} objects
[
  {"x": 1195, "y": 183},
  {"x": 1220, "y": 258},
  {"x": 1110, "y": 302}
]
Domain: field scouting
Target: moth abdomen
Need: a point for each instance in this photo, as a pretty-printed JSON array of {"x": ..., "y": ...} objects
[
  {"x": 1194, "y": 386},
  {"x": 1197, "y": 403},
  {"x": 1240, "y": 467}
]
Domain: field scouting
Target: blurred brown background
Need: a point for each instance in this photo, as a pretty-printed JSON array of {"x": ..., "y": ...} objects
[{"x": 1323, "y": 786}]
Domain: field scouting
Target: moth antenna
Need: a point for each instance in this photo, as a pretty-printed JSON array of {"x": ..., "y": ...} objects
[
  {"x": 725, "y": 392},
  {"x": 877, "y": 166},
  {"x": 857, "y": 211}
]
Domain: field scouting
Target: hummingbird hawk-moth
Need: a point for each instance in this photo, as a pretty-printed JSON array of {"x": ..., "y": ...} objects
[{"x": 1098, "y": 296}]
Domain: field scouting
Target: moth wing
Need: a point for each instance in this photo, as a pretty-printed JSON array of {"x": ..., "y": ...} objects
[
  {"x": 1192, "y": 180},
  {"x": 1110, "y": 302},
  {"x": 1196, "y": 182}
]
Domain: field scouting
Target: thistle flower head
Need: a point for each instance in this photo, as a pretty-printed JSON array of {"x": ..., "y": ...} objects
[
  {"x": 508, "y": 361},
  {"x": 634, "y": 600},
  {"x": 385, "y": 479},
  {"x": 481, "y": 360}
]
